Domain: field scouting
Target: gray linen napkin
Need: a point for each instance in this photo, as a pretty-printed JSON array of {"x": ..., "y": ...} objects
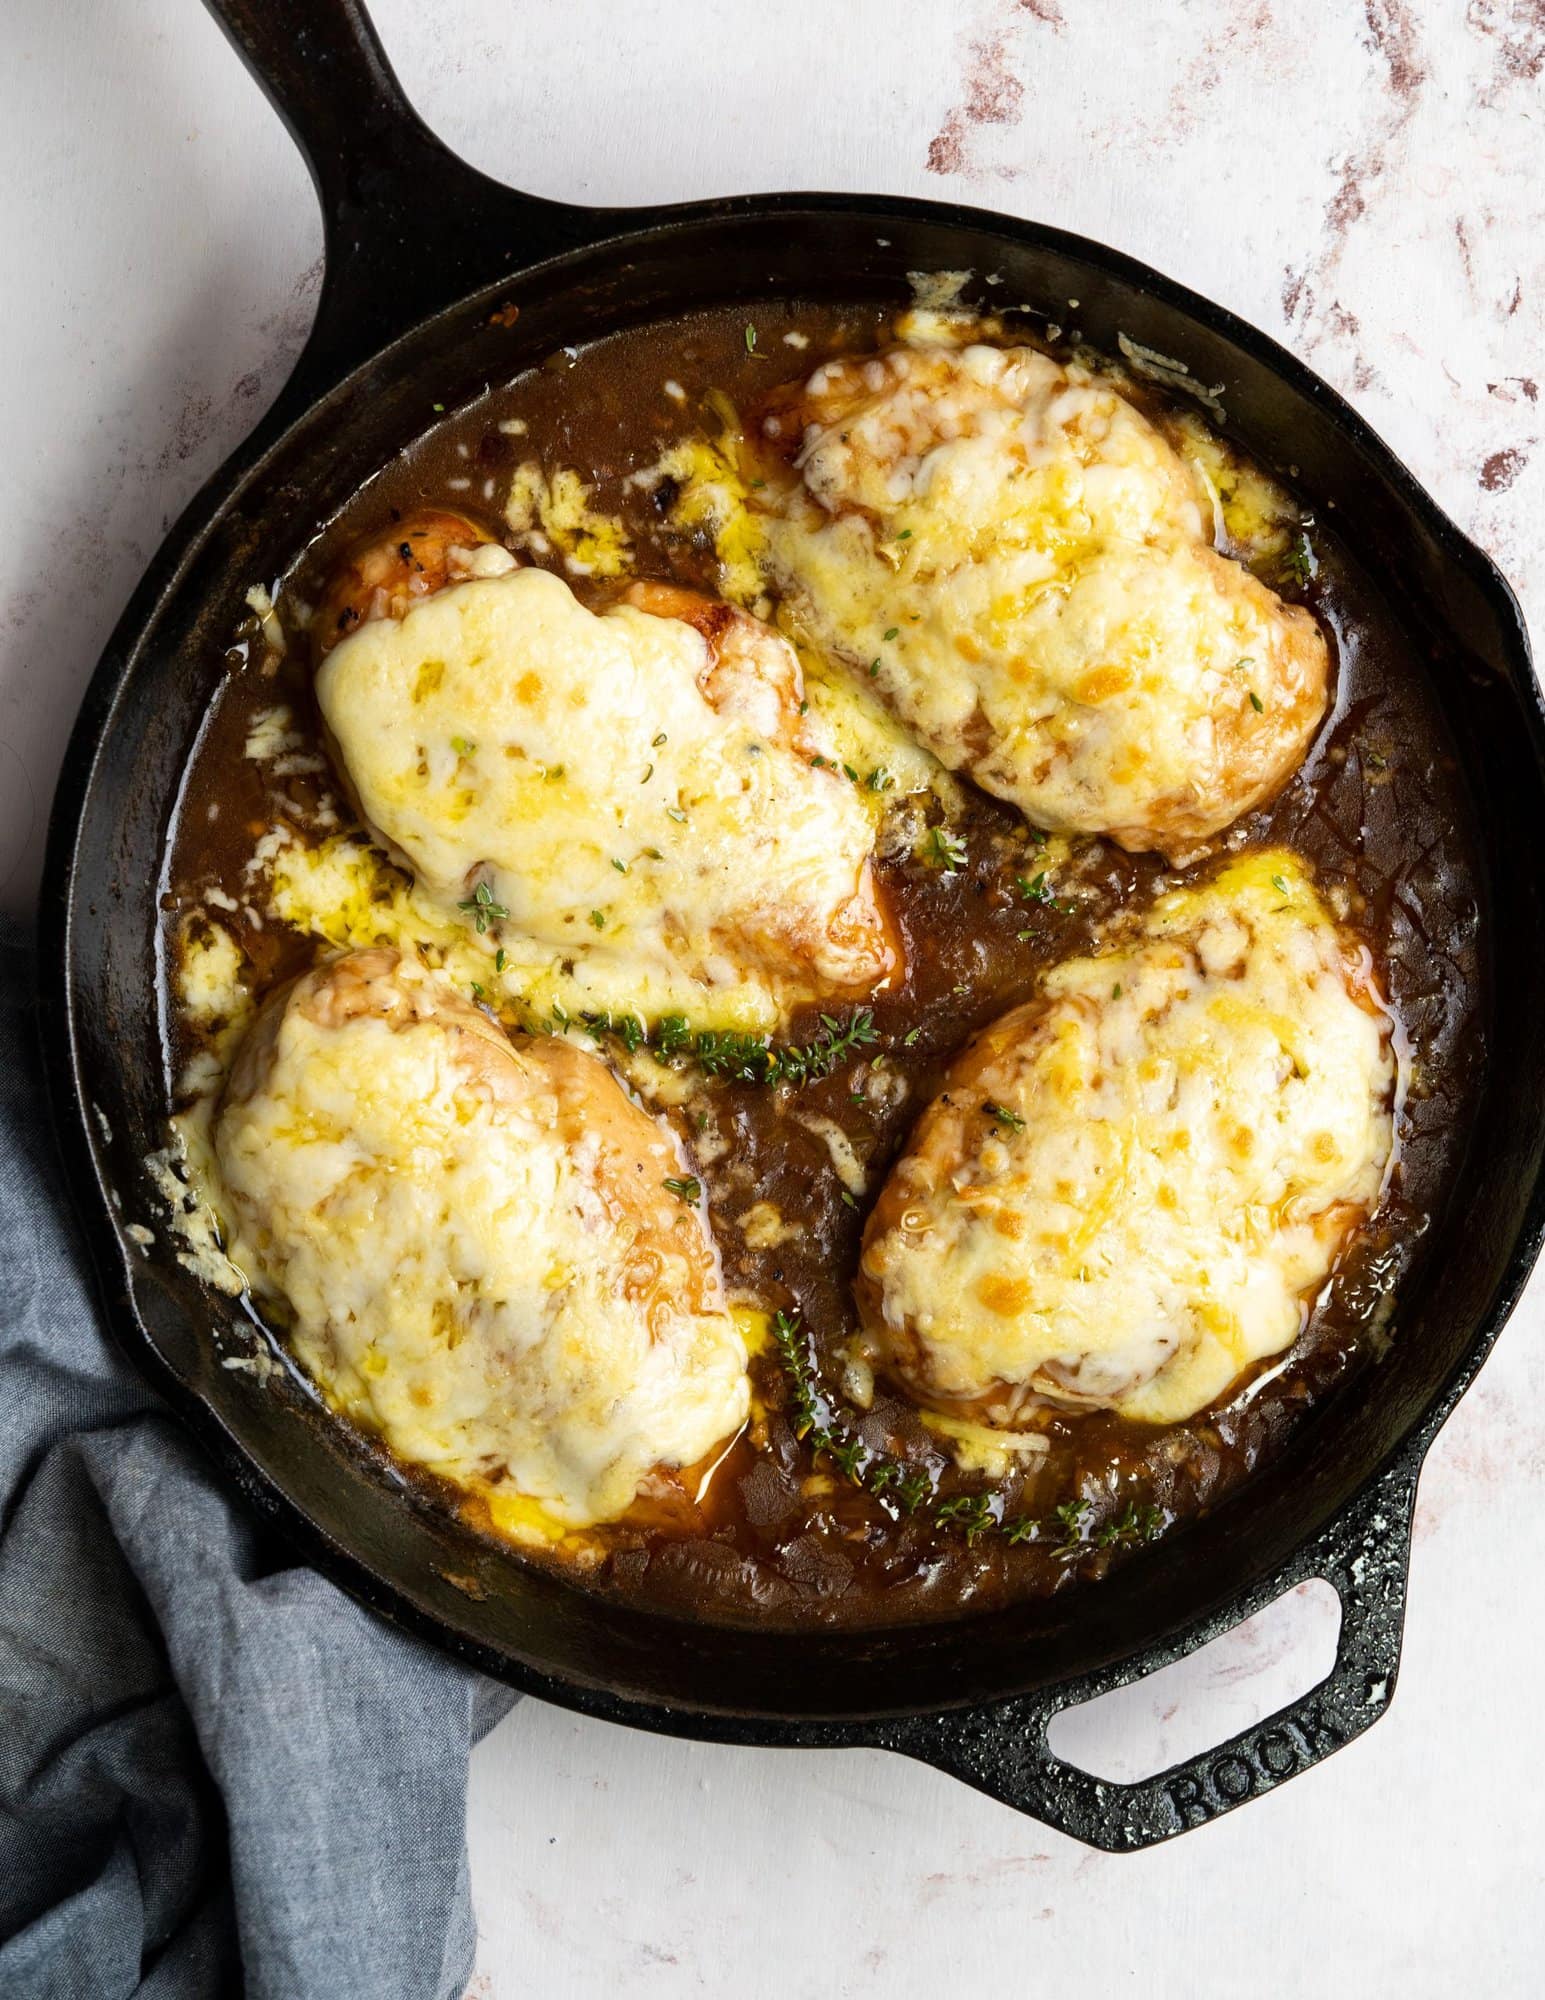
[{"x": 216, "y": 1770}]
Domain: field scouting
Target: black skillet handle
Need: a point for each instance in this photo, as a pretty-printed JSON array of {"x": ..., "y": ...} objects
[
  {"x": 408, "y": 226},
  {"x": 1002, "y": 1750}
]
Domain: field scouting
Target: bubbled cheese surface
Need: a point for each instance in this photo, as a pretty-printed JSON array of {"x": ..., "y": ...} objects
[
  {"x": 1025, "y": 564},
  {"x": 474, "y": 1248},
  {"x": 1132, "y": 1186},
  {"x": 643, "y": 805}
]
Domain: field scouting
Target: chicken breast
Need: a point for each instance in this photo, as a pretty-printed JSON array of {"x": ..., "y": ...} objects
[
  {"x": 1025, "y": 567},
  {"x": 1131, "y": 1187},
  {"x": 486, "y": 1253},
  {"x": 638, "y": 790},
  {"x": 387, "y": 576}
]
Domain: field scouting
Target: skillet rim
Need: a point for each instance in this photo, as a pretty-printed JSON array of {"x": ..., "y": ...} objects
[{"x": 299, "y": 406}]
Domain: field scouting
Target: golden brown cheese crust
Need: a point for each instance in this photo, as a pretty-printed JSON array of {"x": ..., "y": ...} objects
[
  {"x": 640, "y": 791},
  {"x": 477, "y": 1242},
  {"x": 1131, "y": 1185},
  {"x": 1024, "y": 566}
]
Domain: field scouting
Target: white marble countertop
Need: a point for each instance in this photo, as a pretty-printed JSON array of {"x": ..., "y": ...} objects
[{"x": 1364, "y": 179}]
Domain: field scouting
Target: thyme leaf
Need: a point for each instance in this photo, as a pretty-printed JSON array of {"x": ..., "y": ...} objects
[
  {"x": 738, "y": 1057},
  {"x": 1036, "y": 889},
  {"x": 908, "y": 1488},
  {"x": 1299, "y": 563},
  {"x": 1130, "y": 1527},
  {"x": 970, "y": 1511},
  {"x": 482, "y": 909},
  {"x": 947, "y": 850}
]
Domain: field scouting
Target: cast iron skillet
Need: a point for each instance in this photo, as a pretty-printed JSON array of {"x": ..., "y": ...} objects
[{"x": 421, "y": 252}]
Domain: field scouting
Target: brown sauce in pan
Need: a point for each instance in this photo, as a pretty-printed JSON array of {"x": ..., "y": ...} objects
[{"x": 1379, "y": 808}]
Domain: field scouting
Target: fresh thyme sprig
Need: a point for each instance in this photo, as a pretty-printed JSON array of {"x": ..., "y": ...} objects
[
  {"x": 482, "y": 909},
  {"x": 946, "y": 850},
  {"x": 907, "y": 1488},
  {"x": 1036, "y": 889},
  {"x": 1299, "y": 562},
  {"x": 970, "y": 1512},
  {"x": 1132, "y": 1525},
  {"x": 734, "y": 1055}
]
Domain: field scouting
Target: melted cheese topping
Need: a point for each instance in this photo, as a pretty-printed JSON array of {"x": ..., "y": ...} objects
[
  {"x": 208, "y": 976},
  {"x": 474, "y": 1245},
  {"x": 1130, "y": 1186},
  {"x": 713, "y": 497},
  {"x": 1027, "y": 564},
  {"x": 630, "y": 796},
  {"x": 546, "y": 513}
]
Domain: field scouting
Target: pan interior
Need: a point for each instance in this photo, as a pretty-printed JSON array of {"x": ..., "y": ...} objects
[{"x": 517, "y": 1620}]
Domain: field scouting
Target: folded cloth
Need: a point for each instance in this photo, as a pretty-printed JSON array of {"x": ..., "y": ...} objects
[{"x": 216, "y": 1770}]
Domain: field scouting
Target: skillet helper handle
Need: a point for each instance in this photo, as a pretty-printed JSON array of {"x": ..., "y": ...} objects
[
  {"x": 408, "y": 226},
  {"x": 1003, "y": 1749}
]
